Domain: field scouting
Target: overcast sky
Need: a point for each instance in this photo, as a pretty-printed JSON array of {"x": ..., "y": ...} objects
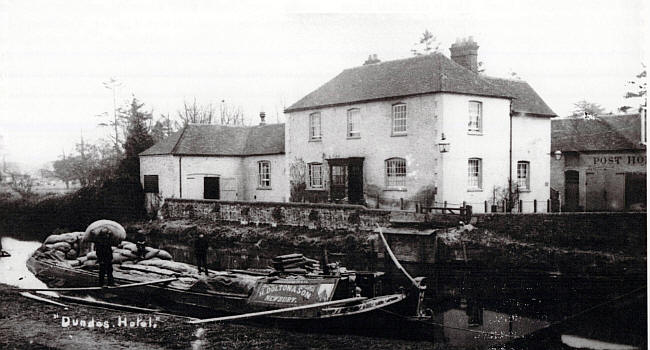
[{"x": 54, "y": 55}]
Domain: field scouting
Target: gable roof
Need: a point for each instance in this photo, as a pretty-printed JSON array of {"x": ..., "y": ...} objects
[
  {"x": 526, "y": 100},
  {"x": 415, "y": 76},
  {"x": 603, "y": 133},
  {"x": 219, "y": 140}
]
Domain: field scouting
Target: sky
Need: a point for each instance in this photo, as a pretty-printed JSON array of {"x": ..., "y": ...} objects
[{"x": 266, "y": 55}]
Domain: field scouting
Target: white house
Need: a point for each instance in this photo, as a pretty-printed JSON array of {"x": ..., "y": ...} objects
[
  {"x": 217, "y": 162},
  {"x": 426, "y": 130}
]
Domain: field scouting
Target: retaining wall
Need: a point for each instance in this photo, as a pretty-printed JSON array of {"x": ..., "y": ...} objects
[{"x": 316, "y": 216}]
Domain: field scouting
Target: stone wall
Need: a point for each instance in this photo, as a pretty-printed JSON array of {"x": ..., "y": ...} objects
[
  {"x": 602, "y": 231},
  {"x": 316, "y": 216}
]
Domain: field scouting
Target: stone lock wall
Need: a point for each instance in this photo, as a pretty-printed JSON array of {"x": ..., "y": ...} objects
[{"x": 321, "y": 216}]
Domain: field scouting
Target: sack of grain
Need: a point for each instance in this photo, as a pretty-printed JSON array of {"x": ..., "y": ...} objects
[
  {"x": 128, "y": 254},
  {"x": 82, "y": 259},
  {"x": 51, "y": 239},
  {"x": 131, "y": 247},
  {"x": 164, "y": 255},
  {"x": 90, "y": 263},
  {"x": 92, "y": 255},
  {"x": 119, "y": 258},
  {"x": 150, "y": 254},
  {"x": 62, "y": 246},
  {"x": 70, "y": 237},
  {"x": 74, "y": 263},
  {"x": 105, "y": 230}
]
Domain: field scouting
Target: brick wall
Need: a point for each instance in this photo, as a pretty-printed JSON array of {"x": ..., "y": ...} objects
[{"x": 323, "y": 216}]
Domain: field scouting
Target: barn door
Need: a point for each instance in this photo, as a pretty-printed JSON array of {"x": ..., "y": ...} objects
[
  {"x": 210, "y": 187},
  {"x": 571, "y": 190}
]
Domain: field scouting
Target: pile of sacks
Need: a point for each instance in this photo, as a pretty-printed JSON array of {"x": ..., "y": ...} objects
[
  {"x": 66, "y": 246},
  {"x": 295, "y": 263},
  {"x": 125, "y": 252}
]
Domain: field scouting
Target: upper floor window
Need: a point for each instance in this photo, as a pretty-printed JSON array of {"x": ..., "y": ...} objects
[
  {"x": 395, "y": 172},
  {"x": 151, "y": 184},
  {"x": 264, "y": 174},
  {"x": 354, "y": 120},
  {"x": 523, "y": 175},
  {"x": 399, "y": 119},
  {"x": 316, "y": 175},
  {"x": 475, "y": 117},
  {"x": 474, "y": 174},
  {"x": 314, "y": 126}
]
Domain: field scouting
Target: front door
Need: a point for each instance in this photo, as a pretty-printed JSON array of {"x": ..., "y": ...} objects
[
  {"x": 571, "y": 190},
  {"x": 210, "y": 187},
  {"x": 346, "y": 180},
  {"x": 355, "y": 181},
  {"x": 635, "y": 191},
  {"x": 339, "y": 182}
]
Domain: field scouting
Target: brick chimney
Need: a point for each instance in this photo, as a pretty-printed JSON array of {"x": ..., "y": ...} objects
[
  {"x": 465, "y": 53},
  {"x": 372, "y": 59},
  {"x": 262, "y": 116}
]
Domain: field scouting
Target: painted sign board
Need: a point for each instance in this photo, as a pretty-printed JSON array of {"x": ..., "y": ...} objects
[{"x": 293, "y": 292}]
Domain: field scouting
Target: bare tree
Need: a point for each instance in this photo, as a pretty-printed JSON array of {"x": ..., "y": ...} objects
[
  {"x": 427, "y": 44},
  {"x": 207, "y": 114}
]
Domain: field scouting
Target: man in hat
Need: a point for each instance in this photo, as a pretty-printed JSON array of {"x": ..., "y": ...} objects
[
  {"x": 104, "y": 256},
  {"x": 201, "y": 251}
]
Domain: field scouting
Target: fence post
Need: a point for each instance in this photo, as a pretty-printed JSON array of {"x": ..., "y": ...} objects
[
  {"x": 401, "y": 203},
  {"x": 548, "y": 205},
  {"x": 534, "y": 205},
  {"x": 485, "y": 205},
  {"x": 521, "y": 206},
  {"x": 504, "y": 205},
  {"x": 417, "y": 207}
]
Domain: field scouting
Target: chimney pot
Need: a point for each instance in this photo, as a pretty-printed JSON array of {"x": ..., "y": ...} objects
[
  {"x": 262, "y": 116},
  {"x": 465, "y": 53}
]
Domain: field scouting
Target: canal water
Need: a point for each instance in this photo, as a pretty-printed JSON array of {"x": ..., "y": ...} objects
[{"x": 472, "y": 307}]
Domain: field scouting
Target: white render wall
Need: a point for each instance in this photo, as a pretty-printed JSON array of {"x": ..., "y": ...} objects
[
  {"x": 491, "y": 146},
  {"x": 376, "y": 143},
  {"x": 531, "y": 141},
  {"x": 237, "y": 176},
  {"x": 279, "y": 191},
  {"x": 428, "y": 117},
  {"x": 166, "y": 167}
]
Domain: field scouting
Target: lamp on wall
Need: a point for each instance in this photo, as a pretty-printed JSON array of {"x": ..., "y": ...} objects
[
  {"x": 558, "y": 155},
  {"x": 443, "y": 145}
]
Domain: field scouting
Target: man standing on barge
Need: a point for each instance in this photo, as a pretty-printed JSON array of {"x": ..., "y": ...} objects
[{"x": 104, "y": 256}]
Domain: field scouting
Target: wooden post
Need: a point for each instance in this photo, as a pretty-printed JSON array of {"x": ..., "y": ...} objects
[
  {"x": 485, "y": 206},
  {"x": 401, "y": 203},
  {"x": 504, "y": 205},
  {"x": 521, "y": 206},
  {"x": 548, "y": 205},
  {"x": 534, "y": 205}
]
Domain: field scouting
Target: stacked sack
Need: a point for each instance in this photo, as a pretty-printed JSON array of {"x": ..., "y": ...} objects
[
  {"x": 295, "y": 263},
  {"x": 126, "y": 252},
  {"x": 65, "y": 246}
]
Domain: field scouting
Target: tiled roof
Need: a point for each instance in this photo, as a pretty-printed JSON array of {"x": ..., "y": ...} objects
[
  {"x": 526, "y": 100},
  {"x": 414, "y": 76},
  {"x": 218, "y": 140},
  {"x": 405, "y": 77},
  {"x": 603, "y": 133}
]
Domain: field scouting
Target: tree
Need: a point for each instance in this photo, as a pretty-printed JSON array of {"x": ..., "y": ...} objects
[
  {"x": 637, "y": 88},
  {"x": 63, "y": 169},
  {"x": 427, "y": 44},
  {"x": 112, "y": 85},
  {"x": 207, "y": 114},
  {"x": 163, "y": 127},
  {"x": 137, "y": 140},
  {"x": 584, "y": 108}
]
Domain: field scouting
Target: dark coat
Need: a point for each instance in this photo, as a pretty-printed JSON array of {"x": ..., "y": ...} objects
[
  {"x": 104, "y": 252},
  {"x": 201, "y": 245}
]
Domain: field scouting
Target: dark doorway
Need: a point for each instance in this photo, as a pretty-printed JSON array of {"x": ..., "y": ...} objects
[
  {"x": 210, "y": 187},
  {"x": 571, "y": 190},
  {"x": 346, "y": 180},
  {"x": 635, "y": 191},
  {"x": 355, "y": 181}
]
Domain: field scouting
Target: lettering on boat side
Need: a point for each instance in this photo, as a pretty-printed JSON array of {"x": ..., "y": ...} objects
[
  {"x": 292, "y": 293},
  {"x": 121, "y": 322}
]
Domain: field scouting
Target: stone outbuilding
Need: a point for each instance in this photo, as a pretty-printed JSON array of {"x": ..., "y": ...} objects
[
  {"x": 217, "y": 162},
  {"x": 600, "y": 163}
]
